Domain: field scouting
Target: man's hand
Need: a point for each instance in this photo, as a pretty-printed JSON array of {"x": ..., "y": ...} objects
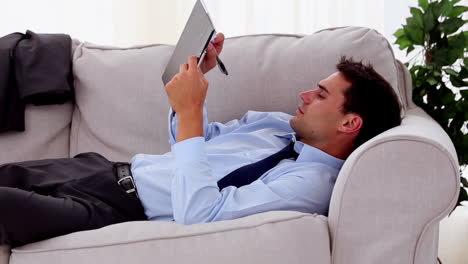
[
  {"x": 214, "y": 49},
  {"x": 187, "y": 92}
]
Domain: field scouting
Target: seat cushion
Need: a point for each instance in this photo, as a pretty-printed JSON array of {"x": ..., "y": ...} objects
[{"x": 272, "y": 237}]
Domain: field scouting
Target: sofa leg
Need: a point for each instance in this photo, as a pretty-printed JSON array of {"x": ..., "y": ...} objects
[{"x": 4, "y": 254}]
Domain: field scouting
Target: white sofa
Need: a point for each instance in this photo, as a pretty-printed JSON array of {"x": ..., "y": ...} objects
[{"x": 387, "y": 202}]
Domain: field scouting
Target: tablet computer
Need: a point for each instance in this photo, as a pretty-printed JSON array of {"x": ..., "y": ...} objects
[{"x": 197, "y": 34}]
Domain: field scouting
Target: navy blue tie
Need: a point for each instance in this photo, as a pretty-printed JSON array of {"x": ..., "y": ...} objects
[{"x": 249, "y": 173}]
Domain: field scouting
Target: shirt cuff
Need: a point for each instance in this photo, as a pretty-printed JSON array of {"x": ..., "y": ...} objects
[{"x": 189, "y": 150}]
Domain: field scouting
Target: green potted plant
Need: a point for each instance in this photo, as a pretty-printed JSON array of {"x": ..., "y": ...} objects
[{"x": 439, "y": 69}]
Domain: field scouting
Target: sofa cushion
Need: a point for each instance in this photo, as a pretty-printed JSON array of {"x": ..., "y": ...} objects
[
  {"x": 122, "y": 104},
  {"x": 272, "y": 237},
  {"x": 46, "y": 135}
]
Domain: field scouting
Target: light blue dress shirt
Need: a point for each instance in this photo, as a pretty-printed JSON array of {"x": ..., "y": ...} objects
[{"x": 181, "y": 185}]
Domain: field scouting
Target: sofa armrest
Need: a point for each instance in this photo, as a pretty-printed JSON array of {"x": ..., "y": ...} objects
[{"x": 391, "y": 194}]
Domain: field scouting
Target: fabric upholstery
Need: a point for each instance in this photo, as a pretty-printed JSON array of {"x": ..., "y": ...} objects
[
  {"x": 122, "y": 104},
  {"x": 120, "y": 108},
  {"x": 387, "y": 202},
  {"x": 411, "y": 185},
  {"x": 47, "y": 135},
  {"x": 273, "y": 237}
]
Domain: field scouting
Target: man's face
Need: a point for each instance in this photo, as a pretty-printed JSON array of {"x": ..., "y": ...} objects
[{"x": 319, "y": 116}]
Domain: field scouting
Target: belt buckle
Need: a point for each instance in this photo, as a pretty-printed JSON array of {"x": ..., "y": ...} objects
[{"x": 132, "y": 190}]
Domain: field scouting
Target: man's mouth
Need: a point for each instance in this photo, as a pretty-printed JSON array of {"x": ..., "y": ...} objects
[{"x": 299, "y": 110}]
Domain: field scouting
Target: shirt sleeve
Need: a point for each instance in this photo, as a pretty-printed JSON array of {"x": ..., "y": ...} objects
[
  {"x": 214, "y": 129},
  {"x": 196, "y": 197}
]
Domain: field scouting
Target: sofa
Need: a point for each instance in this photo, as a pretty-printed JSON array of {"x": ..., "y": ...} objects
[{"x": 388, "y": 199}]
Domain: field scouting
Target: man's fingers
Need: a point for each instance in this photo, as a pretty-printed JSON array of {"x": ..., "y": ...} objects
[
  {"x": 218, "y": 43},
  {"x": 219, "y": 37},
  {"x": 192, "y": 63},
  {"x": 212, "y": 52},
  {"x": 183, "y": 67}
]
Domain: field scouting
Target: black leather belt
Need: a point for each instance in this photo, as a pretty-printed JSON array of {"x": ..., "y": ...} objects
[{"x": 124, "y": 178}]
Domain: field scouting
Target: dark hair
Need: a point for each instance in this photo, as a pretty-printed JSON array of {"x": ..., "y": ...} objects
[{"x": 371, "y": 97}]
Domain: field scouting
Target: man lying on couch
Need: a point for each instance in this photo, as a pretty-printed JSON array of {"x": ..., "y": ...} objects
[{"x": 262, "y": 162}]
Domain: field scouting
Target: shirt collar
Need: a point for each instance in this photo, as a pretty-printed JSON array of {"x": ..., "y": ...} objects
[{"x": 308, "y": 153}]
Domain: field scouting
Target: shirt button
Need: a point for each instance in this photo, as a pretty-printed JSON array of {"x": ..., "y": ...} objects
[
  {"x": 247, "y": 154},
  {"x": 173, "y": 123}
]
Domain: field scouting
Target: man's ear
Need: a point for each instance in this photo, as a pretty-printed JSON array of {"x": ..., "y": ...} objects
[{"x": 350, "y": 123}]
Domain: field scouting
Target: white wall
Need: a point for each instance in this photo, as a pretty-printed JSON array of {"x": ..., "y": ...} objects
[
  {"x": 131, "y": 22},
  {"x": 84, "y": 19}
]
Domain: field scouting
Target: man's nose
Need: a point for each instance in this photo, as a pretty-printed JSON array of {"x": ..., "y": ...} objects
[{"x": 307, "y": 96}]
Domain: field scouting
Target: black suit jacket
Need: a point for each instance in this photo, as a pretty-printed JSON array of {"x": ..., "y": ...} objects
[{"x": 34, "y": 69}]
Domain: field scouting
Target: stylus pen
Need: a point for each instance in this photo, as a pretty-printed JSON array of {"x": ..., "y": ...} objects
[
  {"x": 221, "y": 66},
  {"x": 201, "y": 58}
]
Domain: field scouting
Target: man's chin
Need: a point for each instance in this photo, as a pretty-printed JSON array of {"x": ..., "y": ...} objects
[{"x": 293, "y": 123}]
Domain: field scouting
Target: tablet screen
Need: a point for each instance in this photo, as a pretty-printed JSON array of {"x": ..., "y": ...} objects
[{"x": 197, "y": 33}]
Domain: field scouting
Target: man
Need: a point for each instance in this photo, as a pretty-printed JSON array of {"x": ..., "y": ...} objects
[{"x": 262, "y": 162}]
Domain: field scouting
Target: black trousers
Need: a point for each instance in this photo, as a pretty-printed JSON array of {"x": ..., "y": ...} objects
[{"x": 45, "y": 198}]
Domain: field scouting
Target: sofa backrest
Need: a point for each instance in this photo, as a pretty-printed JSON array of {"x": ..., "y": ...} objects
[
  {"x": 121, "y": 103},
  {"x": 46, "y": 135}
]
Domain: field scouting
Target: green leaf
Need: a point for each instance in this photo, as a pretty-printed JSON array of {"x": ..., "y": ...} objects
[
  {"x": 403, "y": 42},
  {"x": 457, "y": 10},
  {"x": 422, "y": 92},
  {"x": 448, "y": 98},
  {"x": 451, "y": 72},
  {"x": 432, "y": 81},
  {"x": 399, "y": 33},
  {"x": 410, "y": 48},
  {"x": 435, "y": 34},
  {"x": 416, "y": 68},
  {"x": 440, "y": 55},
  {"x": 463, "y": 72},
  {"x": 457, "y": 82},
  {"x": 448, "y": 50},
  {"x": 429, "y": 20},
  {"x": 464, "y": 181},
  {"x": 464, "y": 94},
  {"x": 436, "y": 8},
  {"x": 446, "y": 7},
  {"x": 415, "y": 34},
  {"x": 451, "y": 25},
  {"x": 423, "y": 4},
  {"x": 458, "y": 41},
  {"x": 462, "y": 196},
  {"x": 460, "y": 106},
  {"x": 457, "y": 46},
  {"x": 418, "y": 16}
]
